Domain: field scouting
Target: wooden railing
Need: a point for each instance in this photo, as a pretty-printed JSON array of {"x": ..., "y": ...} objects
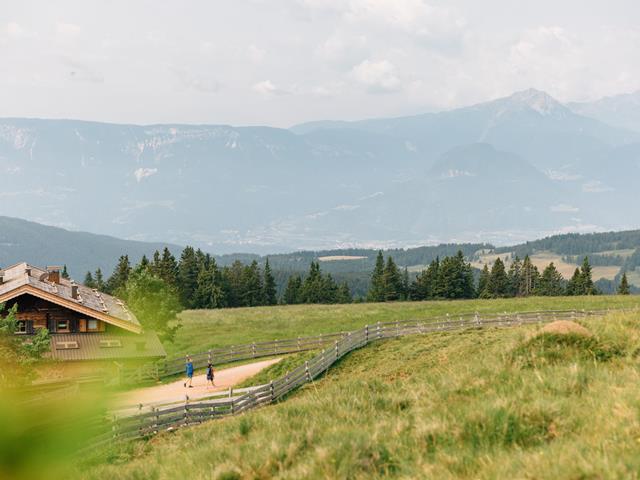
[{"x": 151, "y": 419}]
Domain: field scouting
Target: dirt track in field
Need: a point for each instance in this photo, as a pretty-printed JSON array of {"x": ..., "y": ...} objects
[{"x": 176, "y": 391}]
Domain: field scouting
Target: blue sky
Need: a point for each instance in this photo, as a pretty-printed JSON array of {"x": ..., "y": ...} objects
[{"x": 280, "y": 62}]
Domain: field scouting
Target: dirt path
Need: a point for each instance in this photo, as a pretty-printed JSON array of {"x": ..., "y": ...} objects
[{"x": 175, "y": 391}]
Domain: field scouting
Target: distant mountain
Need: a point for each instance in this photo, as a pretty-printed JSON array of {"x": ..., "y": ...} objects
[
  {"x": 41, "y": 245},
  {"x": 503, "y": 171},
  {"x": 618, "y": 110}
]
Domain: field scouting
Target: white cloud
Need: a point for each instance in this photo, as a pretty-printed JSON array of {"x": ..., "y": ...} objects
[
  {"x": 267, "y": 88},
  {"x": 595, "y": 186},
  {"x": 343, "y": 50},
  {"x": 564, "y": 208},
  {"x": 377, "y": 77},
  {"x": 256, "y": 54},
  {"x": 15, "y": 30},
  {"x": 142, "y": 173}
]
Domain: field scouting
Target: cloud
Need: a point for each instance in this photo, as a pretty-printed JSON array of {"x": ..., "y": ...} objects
[
  {"x": 564, "y": 208},
  {"x": 81, "y": 71},
  {"x": 16, "y": 31},
  {"x": 595, "y": 186},
  {"x": 343, "y": 50},
  {"x": 377, "y": 77},
  {"x": 267, "y": 89},
  {"x": 256, "y": 54},
  {"x": 142, "y": 173}
]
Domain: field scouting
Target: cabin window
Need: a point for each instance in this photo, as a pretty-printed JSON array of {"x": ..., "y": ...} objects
[
  {"x": 92, "y": 324},
  {"x": 70, "y": 345},
  {"x": 21, "y": 327},
  {"x": 62, "y": 326}
]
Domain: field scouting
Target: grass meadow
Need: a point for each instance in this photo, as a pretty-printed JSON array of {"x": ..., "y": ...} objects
[
  {"x": 204, "y": 329},
  {"x": 495, "y": 403}
]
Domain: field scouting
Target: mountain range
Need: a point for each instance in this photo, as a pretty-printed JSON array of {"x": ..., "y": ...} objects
[{"x": 502, "y": 171}]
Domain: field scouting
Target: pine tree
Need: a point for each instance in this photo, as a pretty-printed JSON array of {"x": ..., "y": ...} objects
[
  {"x": 456, "y": 278},
  {"x": 575, "y": 285},
  {"x": 65, "y": 273},
  {"x": 426, "y": 286},
  {"x": 344, "y": 293},
  {"x": 483, "y": 283},
  {"x": 144, "y": 262},
  {"x": 498, "y": 281},
  {"x": 168, "y": 268},
  {"x": 311, "y": 291},
  {"x": 269, "y": 286},
  {"x": 292, "y": 292},
  {"x": 99, "y": 281},
  {"x": 89, "y": 281},
  {"x": 120, "y": 275},
  {"x": 587, "y": 280},
  {"x": 551, "y": 283},
  {"x": 188, "y": 270},
  {"x": 377, "y": 288},
  {"x": 252, "y": 285},
  {"x": 529, "y": 278},
  {"x": 623, "y": 288},
  {"x": 392, "y": 281},
  {"x": 514, "y": 278},
  {"x": 329, "y": 292}
]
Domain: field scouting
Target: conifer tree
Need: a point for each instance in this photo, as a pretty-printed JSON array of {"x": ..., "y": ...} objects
[
  {"x": 588, "y": 287},
  {"x": 168, "y": 268},
  {"x": 311, "y": 291},
  {"x": 344, "y": 293},
  {"x": 144, "y": 262},
  {"x": 377, "y": 287},
  {"x": 483, "y": 283},
  {"x": 392, "y": 281},
  {"x": 623, "y": 288},
  {"x": 99, "y": 281},
  {"x": 456, "y": 277},
  {"x": 292, "y": 292},
  {"x": 89, "y": 281},
  {"x": 329, "y": 292},
  {"x": 498, "y": 281},
  {"x": 188, "y": 270},
  {"x": 269, "y": 286},
  {"x": 252, "y": 285},
  {"x": 575, "y": 285},
  {"x": 120, "y": 275},
  {"x": 406, "y": 286},
  {"x": 65, "y": 273},
  {"x": 514, "y": 278},
  {"x": 551, "y": 283},
  {"x": 529, "y": 277}
]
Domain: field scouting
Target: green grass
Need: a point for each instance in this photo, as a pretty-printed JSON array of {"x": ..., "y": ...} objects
[
  {"x": 444, "y": 405},
  {"x": 204, "y": 329}
]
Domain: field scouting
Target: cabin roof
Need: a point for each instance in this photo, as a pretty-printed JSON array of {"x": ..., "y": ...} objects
[
  {"x": 103, "y": 346},
  {"x": 23, "y": 278}
]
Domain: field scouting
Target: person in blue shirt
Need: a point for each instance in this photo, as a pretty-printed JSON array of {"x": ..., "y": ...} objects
[
  {"x": 210, "y": 375},
  {"x": 189, "y": 373}
]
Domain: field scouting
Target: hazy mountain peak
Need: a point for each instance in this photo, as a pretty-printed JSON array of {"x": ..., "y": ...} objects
[{"x": 536, "y": 100}]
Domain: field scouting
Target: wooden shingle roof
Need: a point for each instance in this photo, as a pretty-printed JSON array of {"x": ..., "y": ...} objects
[
  {"x": 23, "y": 279},
  {"x": 103, "y": 346}
]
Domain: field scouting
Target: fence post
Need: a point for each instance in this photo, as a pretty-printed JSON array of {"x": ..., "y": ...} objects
[
  {"x": 336, "y": 348},
  {"x": 350, "y": 347},
  {"x": 378, "y": 333},
  {"x": 298, "y": 343},
  {"x": 209, "y": 356},
  {"x": 156, "y": 428},
  {"x": 141, "y": 420},
  {"x": 271, "y": 392},
  {"x": 186, "y": 409},
  {"x": 230, "y": 392},
  {"x": 253, "y": 349},
  {"x": 306, "y": 371},
  {"x": 366, "y": 334},
  {"x": 275, "y": 346}
]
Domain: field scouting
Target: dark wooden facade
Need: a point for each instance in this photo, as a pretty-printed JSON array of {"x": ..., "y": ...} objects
[{"x": 34, "y": 313}]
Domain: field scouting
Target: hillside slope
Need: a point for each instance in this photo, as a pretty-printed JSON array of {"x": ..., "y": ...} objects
[
  {"x": 475, "y": 404},
  {"x": 43, "y": 245}
]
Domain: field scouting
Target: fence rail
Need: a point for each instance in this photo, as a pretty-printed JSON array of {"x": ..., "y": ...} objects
[
  {"x": 152, "y": 419},
  {"x": 235, "y": 353}
]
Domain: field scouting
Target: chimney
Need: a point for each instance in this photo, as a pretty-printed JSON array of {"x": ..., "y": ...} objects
[
  {"x": 74, "y": 290},
  {"x": 53, "y": 274},
  {"x": 1, "y": 279}
]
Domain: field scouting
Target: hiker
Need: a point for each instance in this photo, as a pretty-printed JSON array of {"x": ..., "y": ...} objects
[
  {"x": 189, "y": 373},
  {"x": 210, "y": 374}
]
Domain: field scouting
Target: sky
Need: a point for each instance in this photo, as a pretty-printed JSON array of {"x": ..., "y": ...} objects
[{"x": 282, "y": 62}]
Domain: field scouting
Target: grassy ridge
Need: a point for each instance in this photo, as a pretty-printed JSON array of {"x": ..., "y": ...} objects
[
  {"x": 472, "y": 404},
  {"x": 203, "y": 329}
]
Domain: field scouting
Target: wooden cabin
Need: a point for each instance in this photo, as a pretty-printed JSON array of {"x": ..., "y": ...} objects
[{"x": 84, "y": 324}]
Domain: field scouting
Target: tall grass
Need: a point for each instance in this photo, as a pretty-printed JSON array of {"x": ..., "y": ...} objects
[{"x": 446, "y": 405}]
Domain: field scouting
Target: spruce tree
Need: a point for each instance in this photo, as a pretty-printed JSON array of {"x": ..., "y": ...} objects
[
  {"x": 344, "y": 293},
  {"x": 406, "y": 286},
  {"x": 588, "y": 287},
  {"x": 252, "y": 285},
  {"x": 377, "y": 288},
  {"x": 623, "y": 288},
  {"x": 551, "y": 283},
  {"x": 498, "y": 281},
  {"x": 99, "y": 280},
  {"x": 120, "y": 275},
  {"x": 515, "y": 278},
  {"x": 89, "y": 281},
  {"x": 168, "y": 268},
  {"x": 65, "y": 273},
  {"x": 311, "y": 291},
  {"x": 188, "y": 270},
  {"x": 426, "y": 286},
  {"x": 483, "y": 283},
  {"x": 575, "y": 285},
  {"x": 529, "y": 278},
  {"x": 392, "y": 281},
  {"x": 269, "y": 286},
  {"x": 292, "y": 292}
]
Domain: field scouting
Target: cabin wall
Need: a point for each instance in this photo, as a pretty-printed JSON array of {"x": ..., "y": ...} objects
[{"x": 43, "y": 314}]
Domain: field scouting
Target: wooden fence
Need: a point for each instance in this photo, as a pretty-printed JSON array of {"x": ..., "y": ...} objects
[{"x": 152, "y": 419}]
